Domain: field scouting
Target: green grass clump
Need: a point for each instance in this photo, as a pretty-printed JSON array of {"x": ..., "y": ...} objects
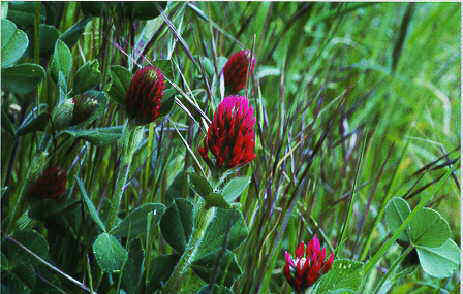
[{"x": 356, "y": 105}]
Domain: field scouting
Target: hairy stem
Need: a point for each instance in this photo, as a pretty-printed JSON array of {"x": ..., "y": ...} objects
[
  {"x": 130, "y": 140},
  {"x": 202, "y": 220}
]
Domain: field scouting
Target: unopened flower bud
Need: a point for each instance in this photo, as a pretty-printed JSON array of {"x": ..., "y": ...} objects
[
  {"x": 237, "y": 69},
  {"x": 51, "y": 184},
  {"x": 143, "y": 99}
]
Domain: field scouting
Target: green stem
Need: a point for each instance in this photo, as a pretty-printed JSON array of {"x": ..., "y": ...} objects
[
  {"x": 393, "y": 267},
  {"x": 388, "y": 197},
  {"x": 37, "y": 44},
  {"x": 37, "y": 164},
  {"x": 36, "y": 32},
  {"x": 131, "y": 137},
  {"x": 340, "y": 248},
  {"x": 202, "y": 220}
]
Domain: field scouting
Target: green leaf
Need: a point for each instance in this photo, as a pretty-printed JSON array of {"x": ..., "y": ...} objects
[
  {"x": 428, "y": 229},
  {"x": 7, "y": 125},
  {"x": 121, "y": 78},
  {"x": 215, "y": 200},
  {"x": 109, "y": 253},
  {"x": 208, "y": 65},
  {"x": 87, "y": 77},
  {"x": 91, "y": 208},
  {"x": 200, "y": 184},
  {"x": 32, "y": 240},
  {"x": 4, "y": 10},
  {"x": 165, "y": 66},
  {"x": 161, "y": 268},
  {"x": 136, "y": 223},
  {"x": 133, "y": 270},
  {"x": 14, "y": 43},
  {"x": 167, "y": 101},
  {"x": 62, "y": 114},
  {"x": 179, "y": 188},
  {"x": 11, "y": 284},
  {"x": 62, "y": 60},
  {"x": 48, "y": 37},
  {"x": 48, "y": 283},
  {"x": 26, "y": 274},
  {"x": 221, "y": 62},
  {"x": 345, "y": 276},
  {"x": 227, "y": 225},
  {"x": 214, "y": 289},
  {"x": 99, "y": 136},
  {"x": 62, "y": 87},
  {"x": 4, "y": 266},
  {"x": 96, "y": 8},
  {"x": 235, "y": 187},
  {"x": 397, "y": 210},
  {"x": 177, "y": 223},
  {"x": 141, "y": 10},
  {"x": 35, "y": 120},
  {"x": 202, "y": 187},
  {"x": 22, "y": 78},
  {"x": 55, "y": 12},
  {"x": 220, "y": 268},
  {"x": 72, "y": 35},
  {"x": 22, "y": 13},
  {"x": 45, "y": 209},
  {"x": 441, "y": 261}
]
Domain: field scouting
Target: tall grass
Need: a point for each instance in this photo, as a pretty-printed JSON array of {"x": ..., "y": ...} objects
[{"x": 355, "y": 103}]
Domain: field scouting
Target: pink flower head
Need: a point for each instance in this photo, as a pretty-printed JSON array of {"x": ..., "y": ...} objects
[
  {"x": 231, "y": 135},
  {"x": 308, "y": 265},
  {"x": 235, "y": 71},
  {"x": 51, "y": 184},
  {"x": 143, "y": 99}
]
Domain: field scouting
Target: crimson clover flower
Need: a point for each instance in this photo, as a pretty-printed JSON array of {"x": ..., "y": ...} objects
[
  {"x": 308, "y": 265},
  {"x": 51, "y": 184},
  {"x": 143, "y": 99},
  {"x": 231, "y": 137},
  {"x": 235, "y": 70}
]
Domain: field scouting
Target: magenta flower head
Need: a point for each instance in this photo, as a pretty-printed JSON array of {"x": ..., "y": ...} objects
[
  {"x": 231, "y": 137},
  {"x": 143, "y": 99},
  {"x": 235, "y": 71},
  {"x": 308, "y": 265},
  {"x": 51, "y": 184}
]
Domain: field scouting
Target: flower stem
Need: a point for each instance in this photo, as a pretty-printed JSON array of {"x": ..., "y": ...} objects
[
  {"x": 203, "y": 218},
  {"x": 392, "y": 268},
  {"x": 132, "y": 135}
]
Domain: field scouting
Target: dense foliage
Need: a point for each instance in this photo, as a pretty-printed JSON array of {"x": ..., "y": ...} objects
[{"x": 197, "y": 147}]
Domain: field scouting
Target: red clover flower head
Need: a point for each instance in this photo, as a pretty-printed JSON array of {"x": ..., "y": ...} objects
[
  {"x": 308, "y": 265},
  {"x": 231, "y": 137},
  {"x": 235, "y": 70},
  {"x": 51, "y": 184},
  {"x": 143, "y": 99}
]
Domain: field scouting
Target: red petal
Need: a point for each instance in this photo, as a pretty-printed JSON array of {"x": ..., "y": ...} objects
[{"x": 300, "y": 250}]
